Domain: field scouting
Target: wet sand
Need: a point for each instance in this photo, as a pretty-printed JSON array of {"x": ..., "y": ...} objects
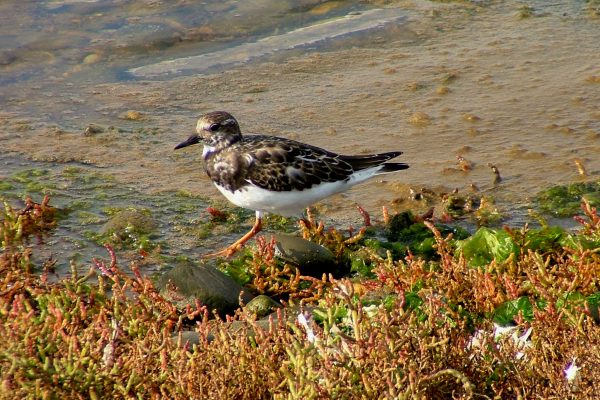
[{"x": 457, "y": 79}]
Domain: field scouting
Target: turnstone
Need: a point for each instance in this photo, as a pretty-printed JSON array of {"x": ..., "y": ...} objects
[{"x": 273, "y": 174}]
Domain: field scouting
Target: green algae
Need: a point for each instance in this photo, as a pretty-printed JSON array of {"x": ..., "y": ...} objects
[
  {"x": 6, "y": 186},
  {"x": 506, "y": 313},
  {"x": 360, "y": 263},
  {"x": 525, "y": 306},
  {"x": 405, "y": 233},
  {"x": 565, "y": 200},
  {"x": 89, "y": 218},
  {"x": 32, "y": 181},
  {"x": 500, "y": 245},
  {"x": 239, "y": 268},
  {"x": 86, "y": 198},
  {"x": 487, "y": 245}
]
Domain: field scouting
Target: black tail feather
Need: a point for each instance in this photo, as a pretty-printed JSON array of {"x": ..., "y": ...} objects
[
  {"x": 372, "y": 160},
  {"x": 391, "y": 167}
]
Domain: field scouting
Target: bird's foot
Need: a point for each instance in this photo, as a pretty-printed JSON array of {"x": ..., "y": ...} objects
[
  {"x": 234, "y": 248},
  {"x": 226, "y": 252}
]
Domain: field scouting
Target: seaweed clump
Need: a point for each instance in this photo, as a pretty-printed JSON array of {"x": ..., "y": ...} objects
[{"x": 564, "y": 200}]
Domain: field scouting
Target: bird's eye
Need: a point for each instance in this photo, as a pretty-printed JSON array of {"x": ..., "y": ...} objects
[{"x": 214, "y": 127}]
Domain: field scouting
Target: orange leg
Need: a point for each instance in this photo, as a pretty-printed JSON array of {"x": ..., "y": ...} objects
[{"x": 230, "y": 250}]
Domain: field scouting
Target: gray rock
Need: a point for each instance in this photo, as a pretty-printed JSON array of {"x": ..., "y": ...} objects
[
  {"x": 187, "y": 282},
  {"x": 310, "y": 258}
]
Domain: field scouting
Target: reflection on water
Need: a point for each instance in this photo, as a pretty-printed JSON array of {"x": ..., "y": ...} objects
[
  {"x": 353, "y": 23},
  {"x": 49, "y": 39}
]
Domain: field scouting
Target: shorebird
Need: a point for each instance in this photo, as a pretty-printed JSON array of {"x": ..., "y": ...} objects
[{"x": 270, "y": 174}]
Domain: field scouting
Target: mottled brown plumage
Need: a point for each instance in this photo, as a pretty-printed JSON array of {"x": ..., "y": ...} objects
[{"x": 273, "y": 174}]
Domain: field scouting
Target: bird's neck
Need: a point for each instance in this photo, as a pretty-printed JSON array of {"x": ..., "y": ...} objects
[{"x": 219, "y": 145}]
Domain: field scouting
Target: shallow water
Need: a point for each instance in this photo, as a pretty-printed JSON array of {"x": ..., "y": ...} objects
[{"x": 475, "y": 80}]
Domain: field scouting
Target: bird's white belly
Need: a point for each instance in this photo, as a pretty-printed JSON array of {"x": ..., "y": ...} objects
[
  {"x": 283, "y": 203},
  {"x": 294, "y": 202}
]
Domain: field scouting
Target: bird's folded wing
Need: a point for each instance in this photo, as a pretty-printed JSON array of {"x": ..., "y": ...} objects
[{"x": 285, "y": 166}]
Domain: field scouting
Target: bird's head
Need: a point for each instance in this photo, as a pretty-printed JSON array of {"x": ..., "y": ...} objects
[{"x": 216, "y": 130}]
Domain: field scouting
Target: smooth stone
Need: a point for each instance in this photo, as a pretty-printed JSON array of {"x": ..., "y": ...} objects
[
  {"x": 261, "y": 306},
  {"x": 186, "y": 283},
  {"x": 126, "y": 221},
  {"x": 310, "y": 258}
]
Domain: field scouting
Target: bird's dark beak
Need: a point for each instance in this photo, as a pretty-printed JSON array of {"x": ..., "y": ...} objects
[{"x": 190, "y": 141}]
